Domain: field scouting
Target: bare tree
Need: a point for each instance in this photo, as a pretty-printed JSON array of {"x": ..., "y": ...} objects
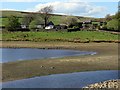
[
  {"x": 27, "y": 19},
  {"x": 108, "y": 17},
  {"x": 46, "y": 11}
]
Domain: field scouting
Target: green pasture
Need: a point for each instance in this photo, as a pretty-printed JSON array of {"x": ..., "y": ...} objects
[{"x": 59, "y": 36}]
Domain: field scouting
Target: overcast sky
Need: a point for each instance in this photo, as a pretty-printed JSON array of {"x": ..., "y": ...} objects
[{"x": 91, "y": 8}]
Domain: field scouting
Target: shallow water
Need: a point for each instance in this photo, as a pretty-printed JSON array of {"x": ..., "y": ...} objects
[
  {"x": 14, "y": 54},
  {"x": 70, "y": 80}
]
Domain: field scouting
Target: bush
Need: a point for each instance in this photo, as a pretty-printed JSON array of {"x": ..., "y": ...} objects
[
  {"x": 12, "y": 24},
  {"x": 113, "y": 25},
  {"x": 73, "y": 29},
  {"x": 32, "y": 25}
]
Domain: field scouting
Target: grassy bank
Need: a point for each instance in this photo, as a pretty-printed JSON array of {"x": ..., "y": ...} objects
[
  {"x": 106, "y": 59},
  {"x": 80, "y": 36}
]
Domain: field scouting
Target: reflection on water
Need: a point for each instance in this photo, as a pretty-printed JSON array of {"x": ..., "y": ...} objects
[
  {"x": 12, "y": 54},
  {"x": 71, "y": 80}
]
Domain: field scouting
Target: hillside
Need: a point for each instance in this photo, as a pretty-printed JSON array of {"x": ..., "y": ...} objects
[
  {"x": 55, "y": 17},
  {"x": 6, "y": 13}
]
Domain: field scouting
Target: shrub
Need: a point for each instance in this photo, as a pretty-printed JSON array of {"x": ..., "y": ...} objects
[
  {"x": 32, "y": 25},
  {"x": 112, "y": 25},
  {"x": 12, "y": 24},
  {"x": 73, "y": 29}
]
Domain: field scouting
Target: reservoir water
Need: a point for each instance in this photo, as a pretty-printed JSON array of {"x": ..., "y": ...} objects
[
  {"x": 70, "y": 80},
  {"x": 14, "y": 54}
]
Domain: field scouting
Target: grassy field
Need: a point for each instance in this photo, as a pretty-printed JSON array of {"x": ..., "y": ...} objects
[
  {"x": 6, "y": 13},
  {"x": 3, "y": 21},
  {"x": 56, "y": 19},
  {"x": 80, "y": 36}
]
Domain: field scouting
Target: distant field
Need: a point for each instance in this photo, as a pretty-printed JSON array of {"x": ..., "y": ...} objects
[
  {"x": 9, "y": 13},
  {"x": 56, "y": 19},
  {"x": 60, "y": 36},
  {"x": 3, "y": 21}
]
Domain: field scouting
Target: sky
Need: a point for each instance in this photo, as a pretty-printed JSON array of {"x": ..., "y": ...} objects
[{"x": 90, "y": 8}]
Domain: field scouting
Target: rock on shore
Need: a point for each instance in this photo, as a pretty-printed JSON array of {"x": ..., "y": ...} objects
[{"x": 106, "y": 84}]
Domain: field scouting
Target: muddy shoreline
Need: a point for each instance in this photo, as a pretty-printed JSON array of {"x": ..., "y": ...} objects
[{"x": 105, "y": 59}]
